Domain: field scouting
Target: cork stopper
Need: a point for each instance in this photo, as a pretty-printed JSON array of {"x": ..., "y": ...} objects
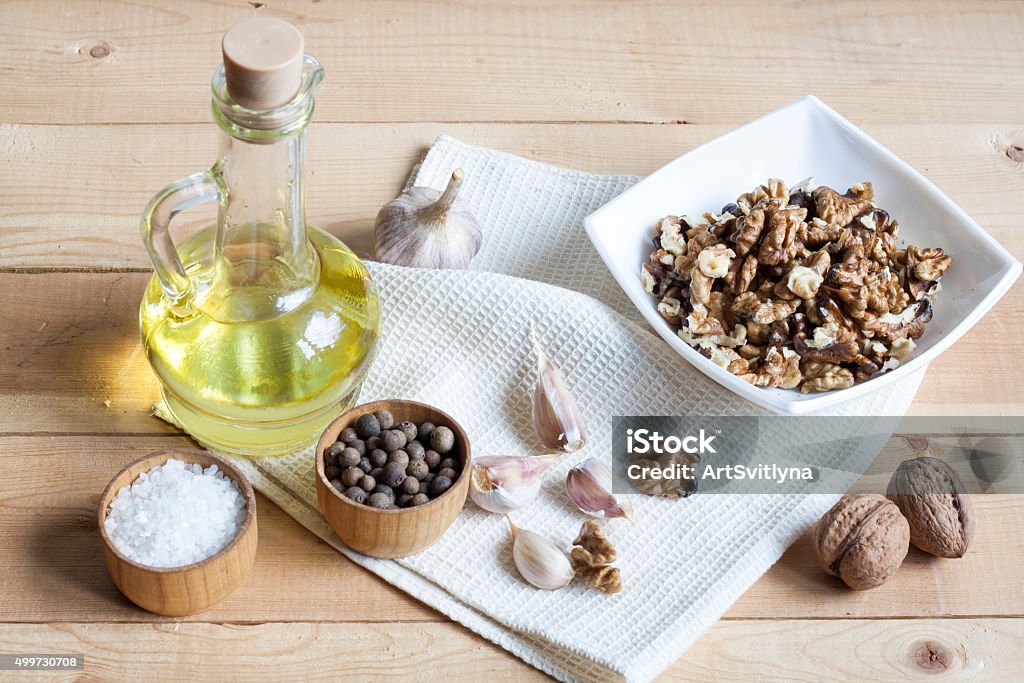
[{"x": 262, "y": 62}]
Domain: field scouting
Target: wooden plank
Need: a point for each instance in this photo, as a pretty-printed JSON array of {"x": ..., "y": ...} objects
[
  {"x": 70, "y": 344},
  {"x": 54, "y": 526},
  {"x": 653, "y": 61},
  {"x": 968, "y": 649},
  {"x": 980, "y": 583},
  {"x": 268, "y": 652},
  {"x": 106, "y": 175},
  {"x": 48, "y": 495},
  {"x": 859, "y": 650},
  {"x": 72, "y": 361}
]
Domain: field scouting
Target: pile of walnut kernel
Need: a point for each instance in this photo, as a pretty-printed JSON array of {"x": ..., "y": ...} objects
[{"x": 801, "y": 287}]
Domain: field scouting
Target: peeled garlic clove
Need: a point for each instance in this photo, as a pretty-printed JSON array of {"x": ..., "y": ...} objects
[
  {"x": 502, "y": 483},
  {"x": 539, "y": 561},
  {"x": 556, "y": 418},
  {"x": 424, "y": 228},
  {"x": 589, "y": 485}
]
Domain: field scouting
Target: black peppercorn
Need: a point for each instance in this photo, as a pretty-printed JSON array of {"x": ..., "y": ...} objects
[
  {"x": 379, "y": 501},
  {"x": 395, "y": 464},
  {"x": 415, "y": 450},
  {"x": 440, "y": 485},
  {"x": 351, "y": 476},
  {"x": 417, "y": 469},
  {"x": 378, "y": 458},
  {"x": 385, "y": 419},
  {"x": 356, "y": 494},
  {"x": 432, "y": 458},
  {"x": 349, "y": 457},
  {"x": 424, "y": 431},
  {"x": 410, "y": 430},
  {"x": 392, "y": 440},
  {"x": 394, "y": 474},
  {"x": 442, "y": 439},
  {"x": 367, "y": 425},
  {"x": 332, "y": 452}
]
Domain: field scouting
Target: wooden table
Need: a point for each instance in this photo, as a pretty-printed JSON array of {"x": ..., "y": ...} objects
[{"x": 102, "y": 103}]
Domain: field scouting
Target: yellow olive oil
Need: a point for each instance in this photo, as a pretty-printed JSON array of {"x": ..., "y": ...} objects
[{"x": 252, "y": 372}]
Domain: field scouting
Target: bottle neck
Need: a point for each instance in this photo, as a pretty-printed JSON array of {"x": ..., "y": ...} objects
[
  {"x": 263, "y": 262},
  {"x": 262, "y": 217}
]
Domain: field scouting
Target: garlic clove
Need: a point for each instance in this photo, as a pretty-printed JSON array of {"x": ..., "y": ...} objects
[
  {"x": 539, "y": 561},
  {"x": 503, "y": 483},
  {"x": 556, "y": 417},
  {"x": 589, "y": 485},
  {"x": 424, "y": 228}
]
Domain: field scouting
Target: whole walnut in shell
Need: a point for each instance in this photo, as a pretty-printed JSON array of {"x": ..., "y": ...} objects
[
  {"x": 931, "y": 495},
  {"x": 862, "y": 540}
]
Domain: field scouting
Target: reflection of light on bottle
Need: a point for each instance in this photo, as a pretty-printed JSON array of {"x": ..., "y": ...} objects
[
  {"x": 293, "y": 300},
  {"x": 323, "y": 330},
  {"x": 307, "y": 350}
]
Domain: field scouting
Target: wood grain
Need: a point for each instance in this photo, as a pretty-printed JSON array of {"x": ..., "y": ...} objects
[
  {"x": 762, "y": 650},
  {"x": 106, "y": 175},
  {"x": 592, "y": 60},
  {"x": 52, "y": 540},
  {"x": 270, "y": 652}
]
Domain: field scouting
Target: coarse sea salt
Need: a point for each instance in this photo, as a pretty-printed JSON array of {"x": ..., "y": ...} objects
[{"x": 175, "y": 514}]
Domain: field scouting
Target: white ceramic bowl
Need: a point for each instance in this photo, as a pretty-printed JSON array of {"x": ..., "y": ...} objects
[{"x": 803, "y": 139}]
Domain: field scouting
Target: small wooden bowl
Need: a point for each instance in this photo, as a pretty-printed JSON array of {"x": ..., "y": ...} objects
[
  {"x": 392, "y": 533},
  {"x": 180, "y": 591}
]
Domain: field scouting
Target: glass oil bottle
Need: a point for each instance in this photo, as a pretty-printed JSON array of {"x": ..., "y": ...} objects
[{"x": 260, "y": 328}]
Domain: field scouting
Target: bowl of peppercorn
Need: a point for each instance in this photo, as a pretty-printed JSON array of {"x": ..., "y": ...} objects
[{"x": 391, "y": 476}]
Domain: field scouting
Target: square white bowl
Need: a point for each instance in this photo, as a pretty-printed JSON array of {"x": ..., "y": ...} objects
[{"x": 806, "y": 138}]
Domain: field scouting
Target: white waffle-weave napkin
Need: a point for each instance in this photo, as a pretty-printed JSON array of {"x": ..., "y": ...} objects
[{"x": 458, "y": 340}]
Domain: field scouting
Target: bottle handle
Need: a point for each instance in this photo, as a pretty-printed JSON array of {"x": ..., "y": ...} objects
[{"x": 190, "y": 191}]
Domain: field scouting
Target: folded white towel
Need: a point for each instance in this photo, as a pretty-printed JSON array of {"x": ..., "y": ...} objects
[{"x": 458, "y": 340}]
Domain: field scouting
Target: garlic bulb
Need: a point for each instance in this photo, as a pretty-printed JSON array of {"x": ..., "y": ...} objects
[
  {"x": 423, "y": 228},
  {"x": 502, "y": 483},
  {"x": 589, "y": 485},
  {"x": 556, "y": 418},
  {"x": 538, "y": 560}
]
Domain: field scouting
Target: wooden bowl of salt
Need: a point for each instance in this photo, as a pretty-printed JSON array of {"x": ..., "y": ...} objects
[{"x": 178, "y": 591}]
